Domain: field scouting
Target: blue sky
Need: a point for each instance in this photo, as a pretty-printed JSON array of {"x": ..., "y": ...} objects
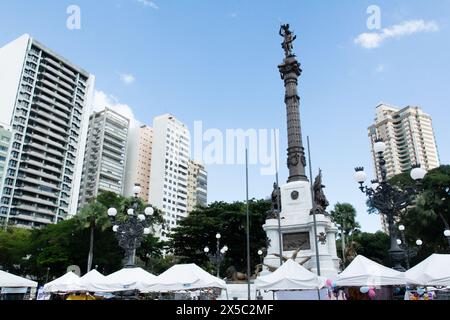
[{"x": 216, "y": 62}]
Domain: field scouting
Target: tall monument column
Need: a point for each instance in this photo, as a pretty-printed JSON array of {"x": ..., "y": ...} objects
[
  {"x": 290, "y": 72},
  {"x": 292, "y": 229}
]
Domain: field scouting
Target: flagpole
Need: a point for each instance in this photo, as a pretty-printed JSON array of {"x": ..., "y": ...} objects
[
  {"x": 278, "y": 200},
  {"x": 248, "y": 225},
  {"x": 316, "y": 243},
  {"x": 314, "y": 211}
]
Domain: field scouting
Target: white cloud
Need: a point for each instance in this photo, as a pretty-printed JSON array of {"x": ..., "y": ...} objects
[
  {"x": 380, "y": 68},
  {"x": 103, "y": 100},
  {"x": 127, "y": 78},
  {"x": 148, "y": 3},
  {"x": 375, "y": 39}
]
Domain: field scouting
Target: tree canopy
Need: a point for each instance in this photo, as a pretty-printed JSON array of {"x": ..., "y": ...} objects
[
  {"x": 50, "y": 250},
  {"x": 229, "y": 219},
  {"x": 344, "y": 214},
  {"x": 374, "y": 246},
  {"x": 430, "y": 215}
]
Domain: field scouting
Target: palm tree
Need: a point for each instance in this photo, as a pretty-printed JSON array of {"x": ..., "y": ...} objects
[
  {"x": 344, "y": 214},
  {"x": 92, "y": 216}
]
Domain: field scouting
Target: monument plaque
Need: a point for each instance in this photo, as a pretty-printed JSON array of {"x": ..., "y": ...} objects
[{"x": 293, "y": 241}]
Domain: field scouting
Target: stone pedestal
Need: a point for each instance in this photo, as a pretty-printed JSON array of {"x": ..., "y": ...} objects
[{"x": 297, "y": 229}]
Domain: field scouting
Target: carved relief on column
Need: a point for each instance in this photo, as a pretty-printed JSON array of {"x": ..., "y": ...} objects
[{"x": 296, "y": 162}]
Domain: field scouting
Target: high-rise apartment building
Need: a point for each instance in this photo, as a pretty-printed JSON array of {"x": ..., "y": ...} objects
[
  {"x": 197, "y": 186},
  {"x": 45, "y": 99},
  {"x": 169, "y": 170},
  {"x": 5, "y": 141},
  {"x": 139, "y": 161},
  {"x": 105, "y": 155},
  {"x": 409, "y": 137}
]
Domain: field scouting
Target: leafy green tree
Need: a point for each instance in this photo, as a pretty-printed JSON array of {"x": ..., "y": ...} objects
[
  {"x": 436, "y": 194},
  {"x": 14, "y": 244},
  {"x": 430, "y": 215},
  {"x": 46, "y": 253},
  {"x": 151, "y": 253},
  {"x": 55, "y": 247},
  {"x": 50, "y": 250},
  {"x": 374, "y": 246},
  {"x": 111, "y": 200},
  {"x": 229, "y": 219}
]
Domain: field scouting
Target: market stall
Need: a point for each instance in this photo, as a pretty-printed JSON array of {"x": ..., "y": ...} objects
[
  {"x": 92, "y": 280},
  {"x": 185, "y": 277},
  {"x": 69, "y": 282},
  {"x": 365, "y": 272},
  {"x": 126, "y": 279},
  {"x": 293, "y": 282},
  {"x": 290, "y": 276},
  {"x": 433, "y": 271},
  {"x": 15, "y": 287},
  {"x": 9, "y": 280}
]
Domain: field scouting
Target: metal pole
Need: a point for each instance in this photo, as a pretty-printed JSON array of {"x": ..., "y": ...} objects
[
  {"x": 218, "y": 257},
  {"x": 316, "y": 245},
  {"x": 343, "y": 240},
  {"x": 280, "y": 241},
  {"x": 248, "y": 225},
  {"x": 406, "y": 251}
]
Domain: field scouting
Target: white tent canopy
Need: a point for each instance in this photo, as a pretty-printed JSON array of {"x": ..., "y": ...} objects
[
  {"x": 66, "y": 283},
  {"x": 91, "y": 280},
  {"x": 124, "y": 280},
  {"x": 365, "y": 272},
  {"x": 290, "y": 276},
  {"x": 8, "y": 280},
  {"x": 433, "y": 271},
  {"x": 185, "y": 277}
]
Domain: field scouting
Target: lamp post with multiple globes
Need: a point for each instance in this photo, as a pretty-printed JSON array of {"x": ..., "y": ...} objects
[
  {"x": 130, "y": 229},
  {"x": 388, "y": 199},
  {"x": 218, "y": 256}
]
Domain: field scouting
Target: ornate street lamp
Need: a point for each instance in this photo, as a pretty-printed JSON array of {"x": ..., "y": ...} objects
[
  {"x": 389, "y": 200},
  {"x": 131, "y": 229},
  {"x": 217, "y": 257}
]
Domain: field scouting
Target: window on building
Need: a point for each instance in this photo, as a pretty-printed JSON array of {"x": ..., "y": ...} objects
[
  {"x": 31, "y": 65},
  {"x": 33, "y": 58},
  {"x": 28, "y": 80},
  {"x": 23, "y": 103},
  {"x": 13, "y": 163}
]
